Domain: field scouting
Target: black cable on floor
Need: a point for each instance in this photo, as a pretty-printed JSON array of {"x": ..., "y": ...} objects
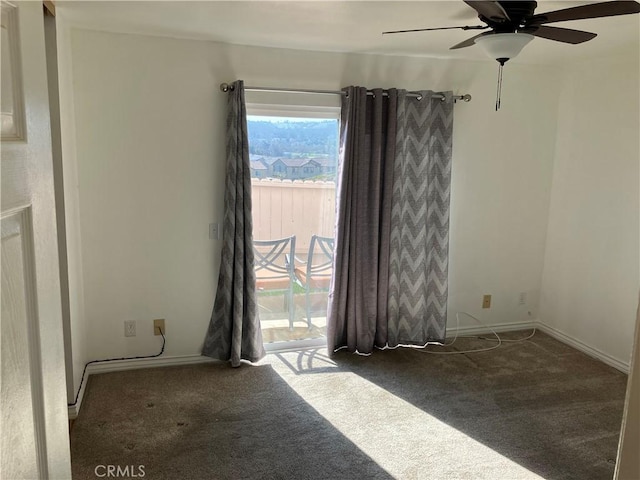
[{"x": 164, "y": 340}]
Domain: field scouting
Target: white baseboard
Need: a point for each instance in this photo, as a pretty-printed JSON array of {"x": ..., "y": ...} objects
[
  {"x": 484, "y": 329},
  {"x": 119, "y": 365},
  {"x": 584, "y": 348}
]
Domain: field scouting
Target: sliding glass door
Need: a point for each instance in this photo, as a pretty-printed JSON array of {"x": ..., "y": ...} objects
[{"x": 293, "y": 170}]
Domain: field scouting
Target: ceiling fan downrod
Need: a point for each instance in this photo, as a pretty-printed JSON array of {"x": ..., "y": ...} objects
[{"x": 499, "y": 89}]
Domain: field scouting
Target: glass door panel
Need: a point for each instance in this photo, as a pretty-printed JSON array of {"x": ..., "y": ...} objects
[{"x": 293, "y": 175}]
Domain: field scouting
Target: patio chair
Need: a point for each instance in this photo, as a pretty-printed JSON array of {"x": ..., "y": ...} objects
[
  {"x": 274, "y": 269},
  {"x": 315, "y": 274}
]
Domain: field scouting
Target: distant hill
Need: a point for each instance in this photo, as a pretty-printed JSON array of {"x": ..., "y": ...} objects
[{"x": 293, "y": 139}]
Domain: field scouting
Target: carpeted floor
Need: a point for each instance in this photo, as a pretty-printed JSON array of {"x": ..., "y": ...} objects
[{"x": 535, "y": 409}]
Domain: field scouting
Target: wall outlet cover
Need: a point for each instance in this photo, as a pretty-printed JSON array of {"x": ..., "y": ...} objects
[
  {"x": 486, "y": 301},
  {"x": 158, "y": 326},
  {"x": 130, "y": 328},
  {"x": 522, "y": 298}
]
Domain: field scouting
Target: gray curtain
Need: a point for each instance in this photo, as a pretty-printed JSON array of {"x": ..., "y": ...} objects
[
  {"x": 234, "y": 330},
  {"x": 392, "y": 218},
  {"x": 418, "y": 272},
  {"x": 356, "y": 314}
]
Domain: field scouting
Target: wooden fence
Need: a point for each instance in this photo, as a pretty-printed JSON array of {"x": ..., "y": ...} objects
[{"x": 282, "y": 208}]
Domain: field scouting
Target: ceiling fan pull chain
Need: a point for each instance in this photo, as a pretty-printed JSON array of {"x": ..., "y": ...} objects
[{"x": 499, "y": 91}]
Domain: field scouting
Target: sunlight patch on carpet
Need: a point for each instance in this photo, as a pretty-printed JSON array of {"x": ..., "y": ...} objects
[{"x": 380, "y": 423}]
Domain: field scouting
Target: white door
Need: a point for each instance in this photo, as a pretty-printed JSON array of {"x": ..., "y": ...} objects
[{"x": 34, "y": 428}]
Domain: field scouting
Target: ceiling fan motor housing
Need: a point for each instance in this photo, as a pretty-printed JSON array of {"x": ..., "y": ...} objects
[{"x": 518, "y": 13}]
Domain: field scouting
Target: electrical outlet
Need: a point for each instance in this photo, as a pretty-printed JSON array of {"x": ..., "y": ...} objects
[
  {"x": 158, "y": 326},
  {"x": 522, "y": 298},
  {"x": 486, "y": 301},
  {"x": 130, "y": 328}
]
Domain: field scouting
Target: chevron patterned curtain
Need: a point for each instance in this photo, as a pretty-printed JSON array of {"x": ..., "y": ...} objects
[
  {"x": 234, "y": 330},
  {"x": 418, "y": 272},
  {"x": 389, "y": 286}
]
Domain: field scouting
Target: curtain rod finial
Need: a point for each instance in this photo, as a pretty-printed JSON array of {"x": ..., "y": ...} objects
[{"x": 225, "y": 87}]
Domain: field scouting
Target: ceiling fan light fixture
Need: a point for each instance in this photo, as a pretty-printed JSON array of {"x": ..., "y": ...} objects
[{"x": 503, "y": 46}]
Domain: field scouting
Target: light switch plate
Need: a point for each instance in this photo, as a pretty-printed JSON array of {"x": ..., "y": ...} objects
[{"x": 214, "y": 231}]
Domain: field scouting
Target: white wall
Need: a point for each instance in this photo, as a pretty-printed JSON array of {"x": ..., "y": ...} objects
[
  {"x": 591, "y": 278},
  {"x": 76, "y": 352},
  {"x": 150, "y": 156}
]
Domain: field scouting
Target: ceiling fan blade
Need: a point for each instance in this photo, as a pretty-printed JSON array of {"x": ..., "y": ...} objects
[
  {"x": 489, "y": 10},
  {"x": 469, "y": 41},
  {"x": 474, "y": 27},
  {"x": 565, "y": 35},
  {"x": 595, "y": 10}
]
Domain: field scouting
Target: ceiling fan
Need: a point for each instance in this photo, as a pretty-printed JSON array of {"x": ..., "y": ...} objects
[{"x": 511, "y": 25}]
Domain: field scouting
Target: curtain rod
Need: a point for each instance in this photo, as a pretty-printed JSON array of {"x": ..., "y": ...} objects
[{"x": 225, "y": 87}]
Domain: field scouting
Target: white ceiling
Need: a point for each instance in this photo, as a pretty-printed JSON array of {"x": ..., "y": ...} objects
[{"x": 343, "y": 26}]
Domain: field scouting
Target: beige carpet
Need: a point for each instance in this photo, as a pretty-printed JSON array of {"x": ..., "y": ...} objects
[{"x": 536, "y": 409}]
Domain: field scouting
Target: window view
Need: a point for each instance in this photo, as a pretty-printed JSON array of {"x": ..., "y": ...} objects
[{"x": 293, "y": 176}]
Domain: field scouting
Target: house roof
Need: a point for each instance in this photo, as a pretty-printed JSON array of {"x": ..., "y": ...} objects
[
  {"x": 294, "y": 162},
  {"x": 326, "y": 161},
  {"x": 263, "y": 158},
  {"x": 301, "y": 162},
  {"x": 257, "y": 165}
]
